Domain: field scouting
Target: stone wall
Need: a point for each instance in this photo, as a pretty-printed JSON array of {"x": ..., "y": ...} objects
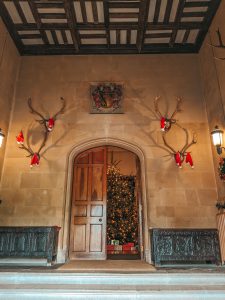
[
  {"x": 9, "y": 64},
  {"x": 213, "y": 79},
  {"x": 175, "y": 197}
]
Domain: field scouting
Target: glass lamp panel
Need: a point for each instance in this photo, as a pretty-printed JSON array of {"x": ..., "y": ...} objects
[
  {"x": 217, "y": 138},
  {"x": 1, "y": 139}
]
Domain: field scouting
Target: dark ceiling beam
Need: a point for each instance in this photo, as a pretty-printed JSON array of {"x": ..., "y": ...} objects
[
  {"x": 49, "y": 5},
  {"x": 20, "y": 11},
  {"x": 110, "y": 23},
  {"x": 157, "y": 10},
  {"x": 177, "y": 22},
  {"x": 121, "y": 15},
  {"x": 52, "y": 16},
  {"x": 197, "y": 4},
  {"x": 186, "y": 35},
  {"x": 124, "y": 4},
  {"x": 38, "y": 21},
  {"x": 71, "y": 19},
  {"x": 143, "y": 16},
  {"x": 83, "y": 11},
  {"x": 93, "y": 36},
  {"x": 106, "y": 19},
  {"x": 149, "y": 26},
  {"x": 95, "y": 12},
  {"x": 10, "y": 25},
  {"x": 168, "y": 11}
]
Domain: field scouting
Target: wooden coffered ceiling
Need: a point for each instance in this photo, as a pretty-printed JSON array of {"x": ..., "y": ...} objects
[{"x": 107, "y": 26}]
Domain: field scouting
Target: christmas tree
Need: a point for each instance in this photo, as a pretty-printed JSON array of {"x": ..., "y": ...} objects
[{"x": 122, "y": 210}]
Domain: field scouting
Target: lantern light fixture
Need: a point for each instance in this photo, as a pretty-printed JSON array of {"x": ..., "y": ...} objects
[
  {"x": 217, "y": 137},
  {"x": 1, "y": 137}
]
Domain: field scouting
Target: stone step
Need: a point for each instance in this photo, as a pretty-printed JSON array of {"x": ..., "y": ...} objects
[
  {"x": 54, "y": 285},
  {"x": 154, "y": 278},
  {"x": 86, "y": 292}
]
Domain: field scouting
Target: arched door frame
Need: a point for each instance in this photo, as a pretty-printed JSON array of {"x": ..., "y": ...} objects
[{"x": 64, "y": 247}]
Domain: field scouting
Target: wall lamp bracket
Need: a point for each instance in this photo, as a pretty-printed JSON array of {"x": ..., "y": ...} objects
[{"x": 217, "y": 138}]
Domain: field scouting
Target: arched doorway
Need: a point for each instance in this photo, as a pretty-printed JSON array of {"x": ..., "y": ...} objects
[{"x": 106, "y": 205}]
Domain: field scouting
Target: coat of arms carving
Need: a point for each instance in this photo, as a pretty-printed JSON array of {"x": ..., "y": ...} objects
[{"x": 106, "y": 98}]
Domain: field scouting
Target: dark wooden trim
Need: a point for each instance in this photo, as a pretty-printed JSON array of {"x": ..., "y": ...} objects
[
  {"x": 68, "y": 5},
  {"x": 95, "y": 11},
  {"x": 10, "y": 25},
  {"x": 141, "y": 26},
  {"x": 52, "y": 16},
  {"x": 168, "y": 11},
  {"x": 157, "y": 10},
  {"x": 122, "y": 4},
  {"x": 186, "y": 35},
  {"x": 20, "y": 11},
  {"x": 177, "y": 20},
  {"x": 106, "y": 19},
  {"x": 83, "y": 11},
  {"x": 143, "y": 15},
  {"x": 38, "y": 21}
]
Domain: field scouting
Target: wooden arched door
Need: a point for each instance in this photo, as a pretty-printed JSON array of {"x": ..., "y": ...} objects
[{"x": 88, "y": 218}]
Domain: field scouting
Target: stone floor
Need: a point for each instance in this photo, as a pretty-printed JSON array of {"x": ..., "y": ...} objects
[{"x": 107, "y": 266}]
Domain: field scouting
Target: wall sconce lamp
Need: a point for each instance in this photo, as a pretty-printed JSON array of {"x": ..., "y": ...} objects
[
  {"x": 217, "y": 137},
  {"x": 1, "y": 137}
]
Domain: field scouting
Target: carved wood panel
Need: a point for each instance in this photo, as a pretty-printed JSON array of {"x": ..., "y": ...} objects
[
  {"x": 32, "y": 242},
  {"x": 185, "y": 246}
]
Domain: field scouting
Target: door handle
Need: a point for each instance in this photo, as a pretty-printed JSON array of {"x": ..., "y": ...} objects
[{"x": 100, "y": 220}]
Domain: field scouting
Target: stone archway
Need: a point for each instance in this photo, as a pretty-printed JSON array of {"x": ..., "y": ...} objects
[{"x": 63, "y": 251}]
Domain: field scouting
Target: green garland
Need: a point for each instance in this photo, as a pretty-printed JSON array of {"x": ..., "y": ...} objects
[{"x": 221, "y": 168}]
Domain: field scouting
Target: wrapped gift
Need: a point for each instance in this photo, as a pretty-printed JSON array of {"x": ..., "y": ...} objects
[
  {"x": 110, "y": 247},
  {"x": 130, "y": 244},
  {"x": 115, "y": 242},
  {"x": 118, "y": 247},
  {"x": 126, "y": 247}
]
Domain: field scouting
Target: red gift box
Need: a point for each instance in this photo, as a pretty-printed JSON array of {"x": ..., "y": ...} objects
[
  {"x": 110, "y": 247},
  {"x": 126, "y": 247},
  {"x": 130, "y": 244}
]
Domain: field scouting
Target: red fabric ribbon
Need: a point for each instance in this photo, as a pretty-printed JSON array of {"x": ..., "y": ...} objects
[
  {"x": 189, "y": 159},
  {"x": 163, "y": 123},
  {"x": 178, "y": 159},
  {"x": 50, "y": 124},
  {"x": 20, "y": 138},
  {"x": 35, "y": 160}
]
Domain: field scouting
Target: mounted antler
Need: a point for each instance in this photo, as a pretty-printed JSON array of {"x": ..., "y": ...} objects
[
  {"x": 48, "y": 126},
  {"x": 221, "y": 45},
  {"x": 47, "y": 122},
  {"x": 182, "y": 154},
  {"x": 166, "y": 122}
]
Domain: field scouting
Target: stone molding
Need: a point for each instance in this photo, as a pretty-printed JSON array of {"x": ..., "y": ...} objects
[{"x": 64, "y": 246}]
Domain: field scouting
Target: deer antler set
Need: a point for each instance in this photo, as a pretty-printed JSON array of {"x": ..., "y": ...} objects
[
  {"x": 166, "y": 123},
  {"x": 48, "y": 124}
]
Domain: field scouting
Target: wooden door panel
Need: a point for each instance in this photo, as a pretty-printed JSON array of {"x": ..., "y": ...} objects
[
  {"x": 96, "y": 238},
  {"x": 80, "y": 211},
  {"x": 97, "y": 184},
  {"x": 79, "y": 238},
  {"x": 81, "y": 191},
  {"x": 96, "y": 210},
  {"x": 88, "y": 219}
]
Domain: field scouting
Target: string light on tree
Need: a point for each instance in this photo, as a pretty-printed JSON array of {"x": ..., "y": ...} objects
[{"x": 122, "y": 212}]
